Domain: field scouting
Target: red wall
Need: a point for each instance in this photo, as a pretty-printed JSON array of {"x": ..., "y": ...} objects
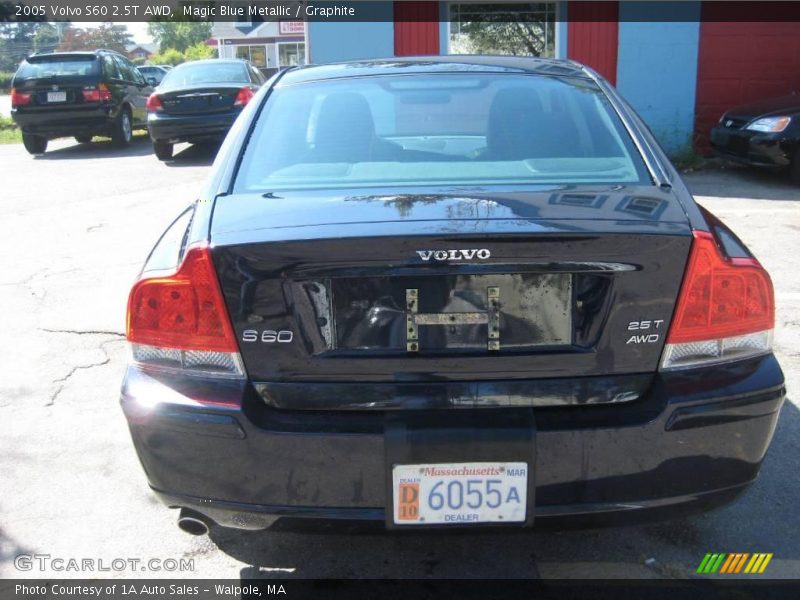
[
  {"x": 416, "y": 28},
  {"x": 592, "y": 36},
  {"x": 743, "y": 61}
]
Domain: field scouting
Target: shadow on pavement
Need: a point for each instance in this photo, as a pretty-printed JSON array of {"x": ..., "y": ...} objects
[
  {"x": 737, "y": 181},
  {"x": 762, "y": 520},
  {"x": 195, "y": 155},
  {"x": 10, "y": 550},
  {"x": 139, "y": 146}
]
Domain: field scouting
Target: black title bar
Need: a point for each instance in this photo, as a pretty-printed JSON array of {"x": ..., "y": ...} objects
[{"x": 252, "y": 12}]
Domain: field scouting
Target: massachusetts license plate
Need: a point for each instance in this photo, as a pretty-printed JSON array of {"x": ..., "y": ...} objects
[
  {"x": 459, "y": 493},
  {"x": 56, "y": 96}
]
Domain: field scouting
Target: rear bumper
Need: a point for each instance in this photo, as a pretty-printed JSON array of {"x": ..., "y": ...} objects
[
  {"x": 190, "y": 128},
  {"x": 694, "y": 443},
  {"x": 769, "y": 150},
  {"x": 65, "y": 122}
]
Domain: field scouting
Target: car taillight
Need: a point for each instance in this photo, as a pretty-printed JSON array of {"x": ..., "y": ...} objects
[
  {"x": 725, "y": 311},
  {"x": 154, "y": 103},
  {"x": 101, "y": 93},
  {"x": 179, "y": 321},
  {"x": 243, "y": 97},
  {"x": 19, "y": 98}
]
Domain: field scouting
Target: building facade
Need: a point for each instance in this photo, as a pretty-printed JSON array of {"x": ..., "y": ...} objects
[
  {"x": 680, "y": 64},
  {"x": 141, "y": 51},
  {"x": 270, "y": 46}
]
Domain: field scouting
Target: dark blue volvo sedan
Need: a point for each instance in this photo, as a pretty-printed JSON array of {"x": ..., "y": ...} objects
[{"x": 448, "y": 292}]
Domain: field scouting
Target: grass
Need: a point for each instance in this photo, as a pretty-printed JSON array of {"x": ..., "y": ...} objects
[
  {"x": 9, "y": 132},
  {"x": 687, "y": 160}
]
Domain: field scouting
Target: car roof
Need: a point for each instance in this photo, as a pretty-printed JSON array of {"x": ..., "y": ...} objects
[
  {"x": 93, "y": 53},
  {"x": 213, "y": 61},
  {"x": 452, "y": 63}
]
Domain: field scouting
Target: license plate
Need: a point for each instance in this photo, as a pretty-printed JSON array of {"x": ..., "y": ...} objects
[
  {"x": 56, "y": 96},
  {"x": 460, "y": 493}
]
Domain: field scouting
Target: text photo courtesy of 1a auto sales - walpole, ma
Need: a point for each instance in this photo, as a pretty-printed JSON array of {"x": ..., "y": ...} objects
[{"x": 414, "y": 299}]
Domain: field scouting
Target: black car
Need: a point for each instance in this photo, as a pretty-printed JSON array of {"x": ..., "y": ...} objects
[
  {"x": 199, "y": 101},
  {"x": 153, "y": 73},
  {"x": 762, "y": 134},
  {"x": 450, "y": 291},
  {"x": 80, "y": 94}
]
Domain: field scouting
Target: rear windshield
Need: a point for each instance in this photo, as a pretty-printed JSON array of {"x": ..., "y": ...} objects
[
  {"x": 42, "y": 67},
  {"x": 441, "y": 129},
  {"x": 195, "y": 74}
]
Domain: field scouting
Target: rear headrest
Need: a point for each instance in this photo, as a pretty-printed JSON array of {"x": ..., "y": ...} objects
[
  {"x": 513, "y": 118},
  {"x": 345, "y": 128}
]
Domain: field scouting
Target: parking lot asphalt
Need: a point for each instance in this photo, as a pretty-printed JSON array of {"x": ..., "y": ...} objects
[{"x": 77, "y": 224}]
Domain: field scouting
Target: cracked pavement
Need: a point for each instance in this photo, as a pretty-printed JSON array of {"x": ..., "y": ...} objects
[{"x": 78, "y": 224}]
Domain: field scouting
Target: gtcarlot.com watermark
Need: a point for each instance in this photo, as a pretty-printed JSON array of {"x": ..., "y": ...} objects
[{"x": 47, "y": 562}]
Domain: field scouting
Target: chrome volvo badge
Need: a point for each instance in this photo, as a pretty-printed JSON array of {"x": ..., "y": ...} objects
[{"x": 456, "y": 254}]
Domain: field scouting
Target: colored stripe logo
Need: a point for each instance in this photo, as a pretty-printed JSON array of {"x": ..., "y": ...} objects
[{"x": 735, "y": 562}]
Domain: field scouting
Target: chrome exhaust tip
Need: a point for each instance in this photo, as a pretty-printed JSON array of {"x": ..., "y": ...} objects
[{"x": 192, "y": 522}]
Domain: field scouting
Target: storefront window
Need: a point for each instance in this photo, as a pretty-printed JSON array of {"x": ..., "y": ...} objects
[
  {"x": 255, "y": 54},
  {"x": 510, "y": 28},
  {"x": 291, "y": 54},
  {"x": 258, "y": 56}
]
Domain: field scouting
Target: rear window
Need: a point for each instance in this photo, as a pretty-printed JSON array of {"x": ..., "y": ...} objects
[
  {"x": 42, "y": 67},
  {"x": 440, "y": 129},
  {"x": 195, "y": 74}
]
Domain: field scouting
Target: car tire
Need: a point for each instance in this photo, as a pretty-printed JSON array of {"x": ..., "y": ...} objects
[
  {"x": 122, "y": 134},
  {"x": 34, "y": 144},
  {"x": 163, "y": 150},
  {"x": 794, "y": 173},
  {"x": 83, "y": 139}
]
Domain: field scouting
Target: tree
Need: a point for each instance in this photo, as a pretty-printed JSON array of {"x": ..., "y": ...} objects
[
  {"x": 108, "y": 36},
  {"x": 179, "y": 34},
  {"x": 170, "y": 56},
  {"x": 200, "y": 51},
  {"x": 16, "y": 42},
  {"x": 46, "y": 38},
  {"x": 514, "y": 37},
  {"x": 73, "y": 38}
]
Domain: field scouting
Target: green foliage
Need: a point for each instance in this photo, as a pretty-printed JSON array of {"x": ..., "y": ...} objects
[
  {"x": 687, "y": 160},
  {"x": 108, "y": 36},
  {"x": 173, "y": 56},
  {"x": 9, "y": 132},
  {"x": 170, "y": 56},
  {"x": 5, "y": 81},
  {"x": 46, "y": 38},
  {"x": 179, "y": 34},
  {"x": 16, "y": 42},
  {"x": 200, "y": 51}
]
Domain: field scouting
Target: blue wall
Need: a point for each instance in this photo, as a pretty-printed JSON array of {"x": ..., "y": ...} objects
[
  {"x": 562, "y": 14},
  {"x": 657, "y": 68},
  {"x": 334, "y": 41}
]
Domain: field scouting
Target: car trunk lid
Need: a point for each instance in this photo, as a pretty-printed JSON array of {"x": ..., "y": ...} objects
[
  {"x": 450, "y": 287},
  {"x": 199, "y": 100}
]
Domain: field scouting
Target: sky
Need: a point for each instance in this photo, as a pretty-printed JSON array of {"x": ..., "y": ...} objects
[{"x": 138, "y": 30}]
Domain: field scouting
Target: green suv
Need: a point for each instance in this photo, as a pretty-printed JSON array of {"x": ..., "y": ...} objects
[{"x": 80, "y": 94}]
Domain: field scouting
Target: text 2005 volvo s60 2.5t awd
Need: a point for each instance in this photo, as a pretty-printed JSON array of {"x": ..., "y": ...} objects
[{"x": 447, "y": 292}]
